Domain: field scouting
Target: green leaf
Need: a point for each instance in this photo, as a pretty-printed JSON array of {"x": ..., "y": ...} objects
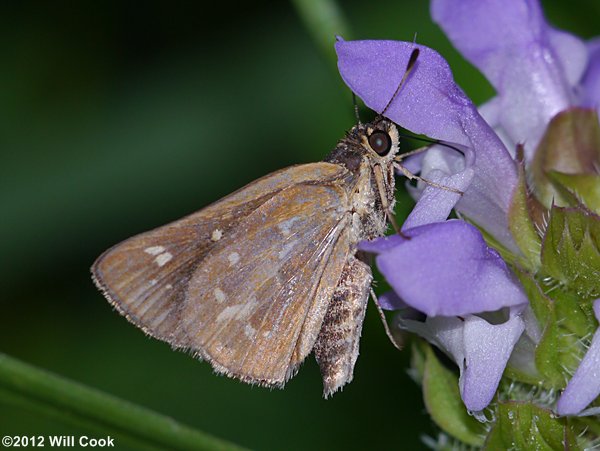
[
  {"x": 444, "y": 404},
  {"x": 73, "y": 403},
  {"x": 590, "y": 424},
  {"x": 548, "y": 356},
  {"x": 525, "y": 427},
  {"x": 570, "y": 250},
  {"x": 572, "y": 314},
  {"x": 559, "y": 351},
  {"x": 418, "y": 357},
  {"x": 581, "y": 188},
  {"x": 522, "y": 226},
  {"x": 542, "y": 305},
  {"x": 570, "y": 146},
  {"x": 547, "y": 352}
]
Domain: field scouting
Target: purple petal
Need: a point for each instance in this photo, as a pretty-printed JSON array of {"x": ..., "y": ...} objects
[
  {"x": 390, "y": 301},
  {"x": 532, "y": 66},
  {"x": 414, "y": 162},
  {"x": 490, "y": 111},
  {"x": 487, "y": 350},
  {"x": 447, "y": 269},
  {"x": 382, "y": 244},
  {"x": 432, "y": 104},
  {"x": 584, "y": 386},
  {"x": 480, "y": 349},
  {"x": 589, "y": 412},
  {"x": 445, "y": 332},
  {"x": 571, "y": 52},
  {"x": 591, "y": 79},
  {"x": 440, "y": 166}
]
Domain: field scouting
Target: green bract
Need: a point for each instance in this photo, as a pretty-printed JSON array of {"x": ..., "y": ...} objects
[{"x": 523, "y": 426}]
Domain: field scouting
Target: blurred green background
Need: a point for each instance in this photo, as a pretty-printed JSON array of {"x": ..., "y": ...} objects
[{"x": 117, "y": 117}]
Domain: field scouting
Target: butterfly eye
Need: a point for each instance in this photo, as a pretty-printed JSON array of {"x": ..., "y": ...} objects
[{"x": 380, "y": 142}]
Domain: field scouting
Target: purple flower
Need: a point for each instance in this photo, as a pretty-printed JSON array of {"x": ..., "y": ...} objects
[
  {"x": 479, "y": 348},
  {"x": 432, "y": 104},
  {"x": 591, "y": 78},
  {"x": 447, "y": 271},
  {"x": 537, "y": 71},
  {"x": 533, "y": 67}
]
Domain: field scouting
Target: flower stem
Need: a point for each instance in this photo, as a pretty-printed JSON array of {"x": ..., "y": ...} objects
[
  {"x": 70, "y": 402},
  {"x": 324, "y": 21}
]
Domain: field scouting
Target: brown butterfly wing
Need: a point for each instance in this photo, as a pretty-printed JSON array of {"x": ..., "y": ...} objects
[
  {"x": 245, "y": 282},
  {"x": 264, "y": 291}
]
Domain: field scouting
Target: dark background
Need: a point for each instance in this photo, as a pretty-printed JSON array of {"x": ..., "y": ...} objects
[{"x": 116, "y": 117}]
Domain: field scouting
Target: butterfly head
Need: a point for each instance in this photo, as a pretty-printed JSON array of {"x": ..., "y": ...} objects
[{"x": 379, "y": 138}]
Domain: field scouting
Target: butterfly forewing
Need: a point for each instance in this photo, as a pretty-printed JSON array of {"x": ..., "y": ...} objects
[
  {"x": 145, "y": 281},
  {"x": 245, "y": 282},
  {"x": 260, "y": 288}
]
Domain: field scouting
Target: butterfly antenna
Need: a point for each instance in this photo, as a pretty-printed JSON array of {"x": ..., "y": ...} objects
[
  {"x": 427, "y": 140},
  {"x": 409, "y": 68}
]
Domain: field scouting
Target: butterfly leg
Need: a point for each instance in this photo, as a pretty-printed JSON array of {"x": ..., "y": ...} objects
[{"x": 336, "y": 349}]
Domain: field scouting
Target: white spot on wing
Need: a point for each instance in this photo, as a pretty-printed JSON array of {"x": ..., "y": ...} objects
[
  {"x": 216, "y": 235},
  {"x": 249, "y": 331},
  {"x": 286, "y": 226},
  {"x": 154, "y": 250},
  {"x": 234, "y": 257},
  {"x": 229, "y": 312},
  {"x": 163, "y": 258},
  {"x": 219, "y": 296},
  {"x": 239, "y": 312}
]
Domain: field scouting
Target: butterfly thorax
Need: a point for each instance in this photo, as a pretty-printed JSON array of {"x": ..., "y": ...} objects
[{"x": 356, "y": 153}]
